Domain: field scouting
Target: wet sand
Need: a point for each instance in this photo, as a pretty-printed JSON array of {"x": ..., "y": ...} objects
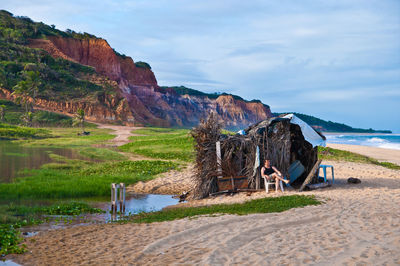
[{"x": 357, "y": 224}]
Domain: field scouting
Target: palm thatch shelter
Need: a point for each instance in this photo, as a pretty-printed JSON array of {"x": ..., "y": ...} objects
[{"x": 226, "y": 161}]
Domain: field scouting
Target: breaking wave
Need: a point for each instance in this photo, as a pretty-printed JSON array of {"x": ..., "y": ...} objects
[{"x": 387, "y": 141}]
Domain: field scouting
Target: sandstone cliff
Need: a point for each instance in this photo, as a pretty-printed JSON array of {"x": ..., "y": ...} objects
[
  {"x": 105, "y": 108},
  {"x": 98, "y": 54},
  {"x": 148, "y": 103}
]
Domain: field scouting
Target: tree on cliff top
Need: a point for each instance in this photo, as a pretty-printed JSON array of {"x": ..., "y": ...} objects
[
  {"x": 79, "y": 119},
  {"x": 26, "y": 90},
  {"x": 2, "y": 112}
]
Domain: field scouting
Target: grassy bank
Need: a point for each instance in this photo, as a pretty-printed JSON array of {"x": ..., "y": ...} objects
[
  {"x": 12, "y": 217},
  {"x": 8, "y": 131},
  {"x": 67, "y": 138},
  {"x": 66, "y": 179},
  {"x": 327, "y": 153},
  {"x": 73, "y": 178},
  {"x": 162, "y": 143},
  {"x": 58, "y": 181},
  {"x": 265, "y": 205}
]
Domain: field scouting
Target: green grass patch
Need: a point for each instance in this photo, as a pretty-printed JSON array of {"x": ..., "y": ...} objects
[
  {"x": 56, "y": 181},
  {"x": 265, "y": 205},
  {"x": 16, "y": 154},
  {"x": 67, "y": 138},
  {"x": 162, "y": 143},
  {"x": 15, "y": 132},
  {"x": 102, "y": 154},
  {"x": 326, "y": 153}
]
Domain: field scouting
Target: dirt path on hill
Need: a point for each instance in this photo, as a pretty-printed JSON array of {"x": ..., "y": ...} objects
[{"x": 122, "y": 133}]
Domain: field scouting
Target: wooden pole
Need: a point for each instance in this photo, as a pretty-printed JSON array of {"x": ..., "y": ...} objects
[
  {"x": 219, "y": 159},
  {"x": 116, "y": 198},
  {"x": 112, "y": 196},
  {"x": 122, "y": 197},
  {"x": 310, "y": 175}
]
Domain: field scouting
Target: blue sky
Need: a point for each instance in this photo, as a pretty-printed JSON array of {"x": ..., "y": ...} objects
[{"x": 337, "y": 60}]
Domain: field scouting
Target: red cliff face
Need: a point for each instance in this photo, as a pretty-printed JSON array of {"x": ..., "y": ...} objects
[
  {"x": 166, "y": 108},
  {"x": 148, "y": 104},
  {"x": 107, "y": 109},
  {"x": 98, "y": 54}
]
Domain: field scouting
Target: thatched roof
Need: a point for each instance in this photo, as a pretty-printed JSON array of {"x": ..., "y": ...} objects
[{"x": 276, "y": 138}]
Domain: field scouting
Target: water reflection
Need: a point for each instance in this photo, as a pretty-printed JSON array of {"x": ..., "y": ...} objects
[
  {"x": 15, "y": 157},
  {"x": 136, "y": 203},
  {"x": 8, "y": 263}
]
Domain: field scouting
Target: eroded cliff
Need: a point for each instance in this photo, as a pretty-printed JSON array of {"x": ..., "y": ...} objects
[{"x": 148, "y": 103}]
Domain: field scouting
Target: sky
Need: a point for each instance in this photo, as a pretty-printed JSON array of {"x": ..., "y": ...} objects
[{"x": 338, "y": 60}]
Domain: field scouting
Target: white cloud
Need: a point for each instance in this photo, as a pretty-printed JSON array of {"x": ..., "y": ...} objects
[{"x": 291, "y": 54}]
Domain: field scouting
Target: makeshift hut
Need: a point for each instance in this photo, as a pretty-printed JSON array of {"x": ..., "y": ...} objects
[{"x": 227, "y": 162}]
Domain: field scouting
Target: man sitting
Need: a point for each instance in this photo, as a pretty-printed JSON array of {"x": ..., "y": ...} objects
[{"x": 271, "y": 173}]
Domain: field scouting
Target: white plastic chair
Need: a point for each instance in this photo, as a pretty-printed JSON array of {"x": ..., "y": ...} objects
[{"x": 271, "y": 183}]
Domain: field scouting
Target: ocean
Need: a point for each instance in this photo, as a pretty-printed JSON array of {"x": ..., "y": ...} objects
[{"x": 388, "y": 141}]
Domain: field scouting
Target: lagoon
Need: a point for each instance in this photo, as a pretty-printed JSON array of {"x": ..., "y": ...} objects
[{"x": 15, "y": 157}]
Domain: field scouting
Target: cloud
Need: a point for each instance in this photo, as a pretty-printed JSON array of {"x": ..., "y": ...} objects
[{"x": 331, "y": 57}]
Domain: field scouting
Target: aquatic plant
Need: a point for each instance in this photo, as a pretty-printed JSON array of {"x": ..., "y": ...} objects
[{"x": 10, "y": 239}]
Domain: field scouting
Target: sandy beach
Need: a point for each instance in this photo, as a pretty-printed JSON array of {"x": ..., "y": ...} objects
[
  {"x": 381, "y": 154},
  {"x": 357, "y": 224}
]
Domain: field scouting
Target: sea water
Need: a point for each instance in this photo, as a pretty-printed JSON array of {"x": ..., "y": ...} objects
[{"x": 388, "y": 141}]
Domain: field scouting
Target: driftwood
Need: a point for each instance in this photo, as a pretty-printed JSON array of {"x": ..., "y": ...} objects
[
  {"x": 318, "y": 185},
  {"x": 310, "y": 175},
  {"x": 237, "y": 182},
  {"x": 231, "y": 191}
]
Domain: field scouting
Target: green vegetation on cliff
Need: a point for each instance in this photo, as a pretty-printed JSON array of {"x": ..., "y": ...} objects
[
  {"x": 330, "y": 126},
  {"x": 182, "y": 90},
  {"x": 21, "y": 29},
  {"x": 59, "y": 79},
  {"x": 142, "y": 65},
  {"x": 40, "y": 118}
]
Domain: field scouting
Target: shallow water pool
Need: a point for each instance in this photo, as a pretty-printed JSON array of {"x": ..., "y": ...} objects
[
  {"x": 134, "y": 204},
  {"x": 15, "y": 157}
]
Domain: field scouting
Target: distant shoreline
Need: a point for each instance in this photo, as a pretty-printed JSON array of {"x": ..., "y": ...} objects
[{"x": 356, "y": 133}]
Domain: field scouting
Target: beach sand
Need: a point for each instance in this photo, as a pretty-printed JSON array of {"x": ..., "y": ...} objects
[
  {"x": 381, "y": 154},
  {"x": 357, "y": 224}
]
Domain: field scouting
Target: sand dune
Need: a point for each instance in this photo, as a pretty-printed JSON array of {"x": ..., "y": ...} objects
[{"x": 357, "y": 224}]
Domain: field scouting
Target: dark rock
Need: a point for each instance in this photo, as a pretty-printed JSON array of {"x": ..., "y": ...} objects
[{"x": 353, "y": 180}]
